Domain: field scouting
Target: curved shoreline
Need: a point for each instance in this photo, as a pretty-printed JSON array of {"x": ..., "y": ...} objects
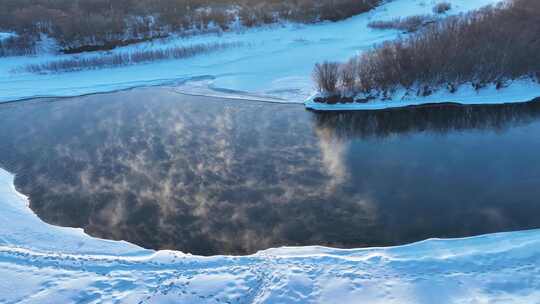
[
  {"x": 8, "y": 193},
  {"x": 35, "y": 255},
  {"x": 309, "y": 104},
  {"x": 519, "y": 91},
  {"x": 315, "y": 106}
]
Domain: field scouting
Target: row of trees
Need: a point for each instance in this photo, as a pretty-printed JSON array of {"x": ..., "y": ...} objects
[
  {"x": 490, "y": 46},
  {"x": 76, "y": 23}
]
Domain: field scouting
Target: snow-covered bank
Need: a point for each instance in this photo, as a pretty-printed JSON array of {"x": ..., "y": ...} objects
[
  {"x": 41, "y": 263},
  {"x": 517, "y": 91},
  {"x": 22, "y": 228},
  {"x": 276, "y": 61}
]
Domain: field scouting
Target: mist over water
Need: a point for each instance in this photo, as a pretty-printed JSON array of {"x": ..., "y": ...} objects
[{"x": 211, "y": 176}]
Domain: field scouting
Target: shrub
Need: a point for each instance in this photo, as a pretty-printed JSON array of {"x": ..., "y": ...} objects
[
  {"x": 326, "y": 76},
  {"x": 490, "y": 46},
  {"x": 122, "y": 59},
  {"x": 442, "y": 7},
  {"x": 408, "y": 24}
]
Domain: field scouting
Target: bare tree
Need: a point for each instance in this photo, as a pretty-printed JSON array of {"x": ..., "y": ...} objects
[
  {"x": 326, "y": 76},
  {"x": 491, "y": 46},
  {"x": 347, "y": 74}
]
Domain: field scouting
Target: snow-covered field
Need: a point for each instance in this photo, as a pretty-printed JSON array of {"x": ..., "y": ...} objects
[
  {"x": 275, "y": 62},
  {"x": 40, "y": 263}
]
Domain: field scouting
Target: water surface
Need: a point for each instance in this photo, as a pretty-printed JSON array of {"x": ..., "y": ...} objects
[{"x": 211, "y": 176}]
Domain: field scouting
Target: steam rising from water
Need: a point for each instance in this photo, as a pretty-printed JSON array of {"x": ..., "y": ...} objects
[{"x": 207, "y": 176}]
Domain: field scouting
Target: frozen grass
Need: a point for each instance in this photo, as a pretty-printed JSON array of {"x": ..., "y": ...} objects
[
  {"x": 407, "y": 24},
  {"x": 127, "y": 58}
]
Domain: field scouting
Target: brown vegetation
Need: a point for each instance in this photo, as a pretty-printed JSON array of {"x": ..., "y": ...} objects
[
  {"x": 77, "y": 24},
  {"x": 407, "y": 24},
  {"x": 326, "y": 76},
  {"x": 490, "y": 46}
]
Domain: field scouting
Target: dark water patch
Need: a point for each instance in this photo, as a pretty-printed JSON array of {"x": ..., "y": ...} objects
[{"x": 210, "y": 176}]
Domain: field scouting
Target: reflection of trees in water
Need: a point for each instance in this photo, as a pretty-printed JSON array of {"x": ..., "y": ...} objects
[
  {"x": 437, "y": 119},
  {"x": 208, "y": 176},
  {"x": 193, "y": 175}
]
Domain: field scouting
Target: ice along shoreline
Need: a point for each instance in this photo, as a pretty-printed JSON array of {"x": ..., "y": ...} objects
[
  {"x": 521, "y": 91},
  {"x": 45, "y": 263}
]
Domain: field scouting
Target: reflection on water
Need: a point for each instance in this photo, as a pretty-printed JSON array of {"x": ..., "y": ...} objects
[
  {"x": 440, "y": 119},
  {"x": 210, "y": 176}
]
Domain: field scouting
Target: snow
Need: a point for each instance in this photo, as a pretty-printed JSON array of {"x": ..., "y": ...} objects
[
  {"x": 21, "y": 227},
  {"x": 41, "y": 263},
  {"x": 274, "y": 64},
  {"x": 523, "y": 90}
]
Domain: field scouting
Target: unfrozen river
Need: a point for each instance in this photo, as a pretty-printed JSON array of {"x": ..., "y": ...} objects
[{"x": 213, "y": 176}]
